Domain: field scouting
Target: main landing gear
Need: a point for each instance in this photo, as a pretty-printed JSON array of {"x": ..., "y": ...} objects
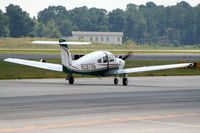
[
  {"x": 70, "y": 78},
  {"x": 124, "y": 80},
  {"x": 115, "y": 81}
]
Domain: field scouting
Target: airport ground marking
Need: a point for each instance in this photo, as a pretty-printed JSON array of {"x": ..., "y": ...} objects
[{"x": 93, "y": 122}]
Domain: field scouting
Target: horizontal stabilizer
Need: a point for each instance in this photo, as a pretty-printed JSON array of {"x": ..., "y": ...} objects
[
  {"x": 45, "y": 42},
  {"x": 63, "y": 43}
]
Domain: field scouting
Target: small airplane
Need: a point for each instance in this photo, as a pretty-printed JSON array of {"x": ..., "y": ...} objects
[{"x": 99, "y": 63}]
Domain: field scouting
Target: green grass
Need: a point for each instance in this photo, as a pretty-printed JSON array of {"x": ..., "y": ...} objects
[
  {"x": 15, "y": 71},
  {"x": 24, "y": 45},
  {"x": 170, "y": 72}
]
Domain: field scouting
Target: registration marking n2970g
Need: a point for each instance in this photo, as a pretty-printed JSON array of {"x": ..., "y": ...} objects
[{"x": 89, "y": 66}]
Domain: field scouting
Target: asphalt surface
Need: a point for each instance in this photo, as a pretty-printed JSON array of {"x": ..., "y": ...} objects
[
  {"x": 132, "y": 57},
  {"x": 147, "y": 104}
]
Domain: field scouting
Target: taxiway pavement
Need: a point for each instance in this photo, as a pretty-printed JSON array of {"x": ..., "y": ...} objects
[
  {"x": 183, "y": 57},
  {"x": 147, "y": 104}
]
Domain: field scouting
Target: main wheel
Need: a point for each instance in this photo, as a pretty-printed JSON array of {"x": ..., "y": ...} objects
[
  {"x": 115, "y": 81},
  {"x": 125, "y": 81},
  {"x": 71, "y": 80}
]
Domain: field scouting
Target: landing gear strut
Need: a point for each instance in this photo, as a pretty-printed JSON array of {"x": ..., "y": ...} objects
[
  {"x": 71, "y": 80},
  {"x": 125, "y": 80}
]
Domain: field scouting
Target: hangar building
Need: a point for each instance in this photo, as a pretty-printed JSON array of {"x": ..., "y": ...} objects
[{"x": 102, "y": 37}]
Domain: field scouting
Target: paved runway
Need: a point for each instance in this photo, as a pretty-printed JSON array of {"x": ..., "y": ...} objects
[
  {"x": 147, "y": 104},
  {"x": 186, "y": 56}
]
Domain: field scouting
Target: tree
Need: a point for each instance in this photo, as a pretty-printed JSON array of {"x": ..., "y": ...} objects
[
  {"x": 155, "y": 21},
  {"x": 135, "y": 24},
  {"x": 92, "y": 19},
  {"x": 174, "y": 25},
  {"x": 60, "y": 16},
  {"x": 173, "y": 36},
  {"x": 65, "y": 28},
  {"x": 4, "y": 29},
  {"x": 38, "y": 29},
  {"x": 116, "y": 20},
  {"x": 98, "y": 19},
  {"x": 151, "y": 5},
  {"x": 20, "y": 24},
  {"x": 51, "y": 30},
  {"x": 181, "y": 19},
  {"x": 197, "y": 24},
  {"x": 80, "y": 19},
  {"x": 56, "y": 13}
]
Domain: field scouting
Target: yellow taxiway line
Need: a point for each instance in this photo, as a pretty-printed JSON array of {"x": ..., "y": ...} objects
[{"x": 93, "y": 122}]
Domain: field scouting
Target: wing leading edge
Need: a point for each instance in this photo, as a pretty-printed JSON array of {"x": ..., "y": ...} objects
[
  {"x": 63, "y": 43},
  {"x": 152, "y": 68},
  {"x": 48, "y": 66}
]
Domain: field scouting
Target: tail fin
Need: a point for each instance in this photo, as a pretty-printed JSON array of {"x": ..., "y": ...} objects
[
  {"x": 66, "y": 57},
  {"x": 65, "y": 54}
]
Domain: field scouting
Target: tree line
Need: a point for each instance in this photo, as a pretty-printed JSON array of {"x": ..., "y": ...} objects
[{"x": 144, "y": 24}]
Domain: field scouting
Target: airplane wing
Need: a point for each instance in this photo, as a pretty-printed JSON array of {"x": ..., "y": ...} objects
[
  {"x": 43, "y": 65},
  {"x": 152, "y": 68}
]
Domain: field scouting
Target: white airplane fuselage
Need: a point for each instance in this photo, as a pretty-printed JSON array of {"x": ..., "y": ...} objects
[{"x": 99, "y": 63}]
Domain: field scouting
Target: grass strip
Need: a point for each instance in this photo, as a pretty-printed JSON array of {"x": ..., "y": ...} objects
[{"x": 15, "y": 71}]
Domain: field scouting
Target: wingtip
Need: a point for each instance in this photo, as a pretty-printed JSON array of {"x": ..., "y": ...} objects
[{"x": 7, "y": 59}]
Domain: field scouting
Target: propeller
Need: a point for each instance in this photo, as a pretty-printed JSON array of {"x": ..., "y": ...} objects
[{"x": 126, "y": 56}]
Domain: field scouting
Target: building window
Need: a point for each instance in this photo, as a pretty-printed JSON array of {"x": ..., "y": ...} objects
[
  {"x": 80, "y": 38},
  {"x": 118, "y": 39},
  {"x": 102, "y": 39},
  {"x": 96, "y": 39},
  {"x": 91, "y": 38},
  {"x": 107, "y": 39}
]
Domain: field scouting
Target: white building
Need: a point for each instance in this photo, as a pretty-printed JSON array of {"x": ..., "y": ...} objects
[{"x": 102, "y": 37}]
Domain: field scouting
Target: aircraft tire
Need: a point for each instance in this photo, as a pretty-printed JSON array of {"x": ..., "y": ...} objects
[
  {"x": 115, "y": 81},
  {"x": 71, "y": 80},
  {"x": 125, "y": 81}
]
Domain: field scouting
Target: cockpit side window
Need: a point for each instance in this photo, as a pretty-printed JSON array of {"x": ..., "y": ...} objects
[
  {"x": 112, "y": 58},
  {"x": 99, "y": 60},
  {"x": 104, "y": 59}
]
